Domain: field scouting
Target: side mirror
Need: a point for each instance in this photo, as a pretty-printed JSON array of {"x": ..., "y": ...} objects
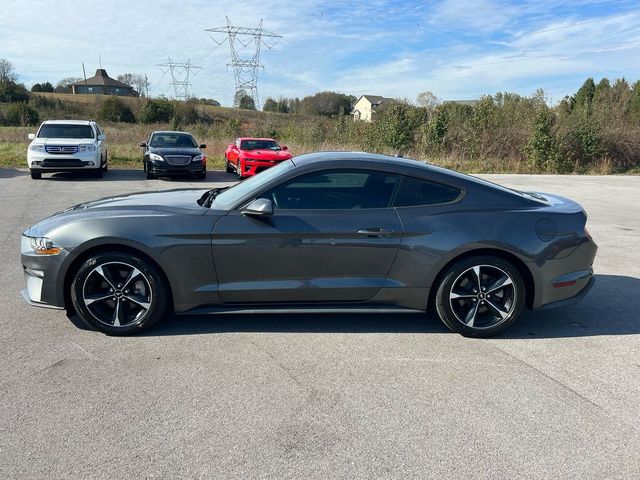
[
  {"x": 284, "y": 147},
  {"x": 203, "y": 146},
  {"x": 31, "y": 136},
  {"x": 143, "y": 145},
  {"x": 259, "y": 207},
  {"x": 102, "y": 137}
]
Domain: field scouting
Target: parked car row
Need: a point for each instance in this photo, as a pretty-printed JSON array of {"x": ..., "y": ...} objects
[{"x": 67, "y": 145}]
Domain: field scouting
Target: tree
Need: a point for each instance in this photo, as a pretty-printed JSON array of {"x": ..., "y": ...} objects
[
  {"x": 7, "y": 72},
  {"x": 428, "y": 100},
  {"x": 270, "y": 105},
  {"x": 209, "y": 101},
  {"x": 63, "y": 85},
  {"x": 157, "y": 110},
  {"x": 584, "y": 96},
  {"x": 542, "y": 149},
  {"x": 328, "y": 104},
  {"x": 114, "y": 109},
  {"x": 42, "y": 87},
  {"x": 243, "y": 100},
  {"x": 135, "y": 80},
  {"x": 11, "y": 91}
]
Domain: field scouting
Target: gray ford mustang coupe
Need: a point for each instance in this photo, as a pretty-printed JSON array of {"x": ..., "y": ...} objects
[{"x": 322, "y": 232}]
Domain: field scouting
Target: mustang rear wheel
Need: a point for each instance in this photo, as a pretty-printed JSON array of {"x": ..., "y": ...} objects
[
  {"x": 118, "y": 293},
  {"x": 480, "y": 296}
]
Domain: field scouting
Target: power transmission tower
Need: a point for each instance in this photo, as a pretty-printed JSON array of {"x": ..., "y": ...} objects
[
  {"x": 180, "y": 73},
  {"x": 245, "y": 69}
]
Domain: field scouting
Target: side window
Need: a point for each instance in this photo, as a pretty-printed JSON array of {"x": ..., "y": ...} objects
[
  {"x": 415, "y": 191},
  {"x": 336, "y": 189}
]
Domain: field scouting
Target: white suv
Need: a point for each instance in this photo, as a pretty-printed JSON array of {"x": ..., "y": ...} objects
[{"x": 64, "y": 145}]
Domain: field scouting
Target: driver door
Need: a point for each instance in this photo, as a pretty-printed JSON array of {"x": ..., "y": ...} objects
[{"x": 332, "y": 238}]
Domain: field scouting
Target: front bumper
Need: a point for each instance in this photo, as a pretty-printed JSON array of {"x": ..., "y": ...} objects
[
  {"x": 44, "y": 278},
  {"x": 163, "y": 168},
  {"x": 253, "y": 167},
  {"x": 47, "y": 162}
]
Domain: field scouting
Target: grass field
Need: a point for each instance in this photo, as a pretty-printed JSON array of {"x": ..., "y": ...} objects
[
  {"x": 220, "y": 125},
  {"x": 124, "y": 151}
]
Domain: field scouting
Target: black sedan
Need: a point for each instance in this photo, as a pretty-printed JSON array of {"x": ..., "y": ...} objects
[
  {"x": 173, "y": 153},
  {"x": 320, "y": 232}
]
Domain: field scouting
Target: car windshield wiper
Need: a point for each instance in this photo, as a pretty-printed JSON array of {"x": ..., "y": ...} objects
[{"x": 209, "y": 196}]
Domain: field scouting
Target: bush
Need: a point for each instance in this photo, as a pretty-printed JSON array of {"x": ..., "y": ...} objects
[
  {"x": 186, "y": 113},
  {"x": 114, "y": 109},
  {"x": 542, "y": 149},
  {"x": 159, "y": 110},
  {"x": 21, "y": 114},
  {"x": 396, "y": 124},
  {"x": 13, "y": 92}
]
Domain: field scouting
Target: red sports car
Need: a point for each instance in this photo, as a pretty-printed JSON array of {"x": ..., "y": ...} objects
[{"x": 249, "y": 156}]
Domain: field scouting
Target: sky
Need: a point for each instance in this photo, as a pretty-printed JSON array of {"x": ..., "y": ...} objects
[{"x": 457, "y": 49}]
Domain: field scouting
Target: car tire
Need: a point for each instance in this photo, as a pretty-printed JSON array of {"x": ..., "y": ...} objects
[
  {"x": 201, "y": 175},
  {"x": 228, "y": 168},
  {"x": 35, "y": 175},
  {"x": 150, "y": 175},
  {"x": 481, "y": 305},
  {"x": 239, "y": 170},
  {"x": 119, "y": 294}
]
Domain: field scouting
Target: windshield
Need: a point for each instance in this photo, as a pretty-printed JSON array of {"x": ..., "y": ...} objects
[
  {"x": 173, "y": 140},
  {"x": 52, "y": 130},
  {"x": 228, "y": 198},
  {"x": 259, "y": 145}
]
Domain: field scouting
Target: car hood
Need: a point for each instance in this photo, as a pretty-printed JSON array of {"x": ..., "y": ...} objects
[
  {"x": 190, "y": 151},
  {"x": 63, "y": 141},
  {"x": 179, "y": 198},
  {"x": 146, "y": 204},
  {"x": 266, "y": 155}
]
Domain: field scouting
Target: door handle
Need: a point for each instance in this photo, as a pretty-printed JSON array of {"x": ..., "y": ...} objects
[{"x": 375, "y": 232}]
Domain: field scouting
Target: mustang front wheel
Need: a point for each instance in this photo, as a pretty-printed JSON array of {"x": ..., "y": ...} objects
[
  {"x": 118, "y": 293},
  {"x": 480, "y": 296}
]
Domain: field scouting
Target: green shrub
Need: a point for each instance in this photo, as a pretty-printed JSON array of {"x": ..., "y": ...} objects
[
  {"x": 159, "y": 110},
  {"x": 21, "y": 114},
  {"x": 114, "y": 109},
  {"x": 542, "y": 148},
  {"x": 11, "y": 91}
]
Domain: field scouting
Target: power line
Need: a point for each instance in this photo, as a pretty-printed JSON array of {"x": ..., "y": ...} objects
[
  {"x": 180, "y": 73},
  {"x": 245, "y": 69}
]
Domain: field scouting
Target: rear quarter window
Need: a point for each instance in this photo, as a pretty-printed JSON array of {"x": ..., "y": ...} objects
[{"x": 416, "y": 191}]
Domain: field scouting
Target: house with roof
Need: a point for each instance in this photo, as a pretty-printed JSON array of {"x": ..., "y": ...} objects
[
  {"x": 365, "y": 107},
  {"x": 102, "y": 84}
]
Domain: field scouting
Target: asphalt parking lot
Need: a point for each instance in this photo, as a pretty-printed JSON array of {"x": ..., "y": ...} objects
[{"x": 324, "y": 396}]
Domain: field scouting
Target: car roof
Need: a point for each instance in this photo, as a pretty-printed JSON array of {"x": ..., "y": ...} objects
[
  {"x": 70, "y": 122},
  {"x": 169, "y": 132},
  {"x": 408, "y": 164},
  {"x": 255, "y": 138}
]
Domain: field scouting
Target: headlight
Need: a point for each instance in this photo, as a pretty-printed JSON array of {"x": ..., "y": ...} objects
[
  {"x": 197, "y": 158},
  {"x": 41, "y": 246},
  {"x": 36, "y": 148},
  {"x": 154, "y": 156},
  {"x": 87, "y": 148}
]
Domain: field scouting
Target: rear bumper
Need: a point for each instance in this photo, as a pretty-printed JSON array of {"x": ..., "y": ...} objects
[
  {"x": 571, "y": 300},
  {"x": 566, "y": 280}
]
